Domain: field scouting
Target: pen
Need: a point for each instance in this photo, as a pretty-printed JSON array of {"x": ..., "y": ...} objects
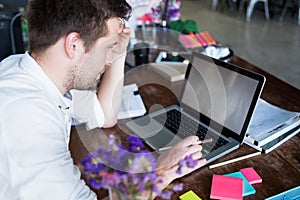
[
  {"x": 234, "y": 160},
  {"x": 198, "y": 142}
]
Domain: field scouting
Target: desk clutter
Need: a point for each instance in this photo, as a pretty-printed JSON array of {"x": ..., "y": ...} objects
[
  {"x": 171, "y": 65},
  {"x": 234, "y": 185},
  {"x": 192, "y": 40},
  {"x": 206, "y": 44},
  {"x": 132, "y": 104},
  {"x": 271, "y": 126}
]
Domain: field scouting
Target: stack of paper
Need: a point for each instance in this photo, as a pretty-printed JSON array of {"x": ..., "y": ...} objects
[
  {"x": 132, "y": 104},
  {"x": 171, "y": 70},
  {"x": 235, "y": 185},
  {"x": 270, "y": 126}
]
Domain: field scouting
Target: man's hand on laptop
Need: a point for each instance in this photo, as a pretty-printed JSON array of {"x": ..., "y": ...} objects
[{"x": 167, "y": 163}]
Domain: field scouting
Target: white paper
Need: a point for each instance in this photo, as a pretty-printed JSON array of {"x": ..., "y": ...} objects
[
  {"x": 132, "y": 104},
  {"x": 267, "y": 118}
]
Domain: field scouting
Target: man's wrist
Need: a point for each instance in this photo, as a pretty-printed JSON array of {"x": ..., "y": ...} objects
[{"x": 119, "y": 56}]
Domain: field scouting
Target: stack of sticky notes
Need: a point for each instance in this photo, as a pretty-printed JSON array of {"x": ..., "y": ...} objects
[
  {"x": 225, "y": 187},
  {"x": 190, "y": 195},
  {"x": 234, "y": 185},
  {"x": 202, "y": 39},
  {"x": 251, "y": 175}
]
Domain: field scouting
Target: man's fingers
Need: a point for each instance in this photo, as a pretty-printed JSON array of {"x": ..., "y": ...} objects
[
  {"x": 197, "y": 155},
  {"x": 188, "y": 141},
  {"x": 193, "y": 149},
  {"x": 186, "y": 170},
  {"x": 126, "y": 30}
]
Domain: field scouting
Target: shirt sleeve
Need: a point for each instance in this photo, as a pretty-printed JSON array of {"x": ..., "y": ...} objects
[
  {"x": 39, "y": 161},
  {"x": 87, "y": 108}
]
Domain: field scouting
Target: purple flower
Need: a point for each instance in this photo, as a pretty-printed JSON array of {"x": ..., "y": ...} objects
[
  {"x": 135, "y": 143},
  {"x": 107, "y": 180},
  {"x": 191, "y": 163},
  {"x": 143, "y": 162},
  {"x": 187, "y": 161},
  {"x": 129, "y": 170},
  {"x": 95, "y": 183},
  {"x": 178, "y": 187},
  {"x": 166, "y": 195},
  {"x": 111, "y": 139}
]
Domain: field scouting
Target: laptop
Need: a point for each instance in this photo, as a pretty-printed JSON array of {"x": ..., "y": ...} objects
[{"x": 217, "y": 102}]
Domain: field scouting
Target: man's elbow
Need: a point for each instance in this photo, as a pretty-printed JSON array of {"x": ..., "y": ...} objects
[{"x": 110, "y": 122}]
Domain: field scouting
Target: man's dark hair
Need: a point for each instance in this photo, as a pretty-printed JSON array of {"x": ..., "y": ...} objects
[{"x": 50, "y": 20}]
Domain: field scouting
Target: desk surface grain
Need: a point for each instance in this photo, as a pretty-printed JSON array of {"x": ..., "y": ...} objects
[{"x": 280, "y": 169}]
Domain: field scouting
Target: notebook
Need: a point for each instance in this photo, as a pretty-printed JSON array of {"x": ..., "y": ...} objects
[{"x": 217, "y": 101}]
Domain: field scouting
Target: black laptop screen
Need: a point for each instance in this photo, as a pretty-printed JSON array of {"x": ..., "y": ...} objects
[{"x": 224, "y": 94}]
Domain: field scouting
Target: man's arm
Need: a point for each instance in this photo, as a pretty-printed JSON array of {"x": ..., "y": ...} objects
[
  {"x": 40, "y": 164},
  {"x": 111, "y": 86}
]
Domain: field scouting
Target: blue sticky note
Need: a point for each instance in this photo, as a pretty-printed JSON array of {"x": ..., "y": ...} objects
[
  {"x": 247, "y": 187},
  {"x": 291, "y": 194}
]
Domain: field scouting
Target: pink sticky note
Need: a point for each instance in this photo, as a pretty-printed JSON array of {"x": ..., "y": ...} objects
[
  {"x": 226, "y": 187},
  {"x": 251, "y": 175}
]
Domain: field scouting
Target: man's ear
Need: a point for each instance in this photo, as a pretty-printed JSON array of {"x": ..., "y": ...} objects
[{"x": 73, "y": 45}]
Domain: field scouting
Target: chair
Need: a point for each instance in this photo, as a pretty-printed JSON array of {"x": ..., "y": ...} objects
[
  {"x": 286, "y": 5},
  {"x": 214, "y": 4},
  {"x": 231, "y": 4},
  {"x": 10, "y": 33},
  {"x": 250, "y": 8}
]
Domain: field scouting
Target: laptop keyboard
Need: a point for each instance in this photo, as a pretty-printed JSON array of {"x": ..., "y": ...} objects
[{"x": 183, "y": 126}]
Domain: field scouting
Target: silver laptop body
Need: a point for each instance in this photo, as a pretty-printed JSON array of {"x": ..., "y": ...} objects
[{"x": 217, "y": 101}]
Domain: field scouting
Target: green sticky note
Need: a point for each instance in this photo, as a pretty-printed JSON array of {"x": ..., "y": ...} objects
[
  {"x": 190, "y": 195},
  {"x": 247, "y": 187}
]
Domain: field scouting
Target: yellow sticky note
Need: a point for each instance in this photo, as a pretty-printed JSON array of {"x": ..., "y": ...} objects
[{"x": 190, "y": 195}]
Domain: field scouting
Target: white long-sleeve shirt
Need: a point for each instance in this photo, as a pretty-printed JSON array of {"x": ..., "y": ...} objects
[{"x": 35, "y": 122}]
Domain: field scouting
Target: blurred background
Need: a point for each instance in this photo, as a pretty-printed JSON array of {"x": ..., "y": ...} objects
[{"x": 273, "y": 45}]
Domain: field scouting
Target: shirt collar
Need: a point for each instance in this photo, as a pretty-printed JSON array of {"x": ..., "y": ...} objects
[{"x": 30, "y": 65}]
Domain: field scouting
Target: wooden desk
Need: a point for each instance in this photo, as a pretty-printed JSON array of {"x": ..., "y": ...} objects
[{"x": 280, "y": 169}]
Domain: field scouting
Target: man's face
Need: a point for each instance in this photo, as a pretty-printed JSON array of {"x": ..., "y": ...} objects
[{"x": 94, "y": 62}]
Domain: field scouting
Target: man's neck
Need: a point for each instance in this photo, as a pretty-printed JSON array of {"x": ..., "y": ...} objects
[{"x": 55, "y": 64}]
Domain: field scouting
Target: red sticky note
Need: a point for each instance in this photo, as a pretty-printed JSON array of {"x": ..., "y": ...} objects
[
  {"x": 251, "y": 175},
  {"x": 226, "y": 187}
]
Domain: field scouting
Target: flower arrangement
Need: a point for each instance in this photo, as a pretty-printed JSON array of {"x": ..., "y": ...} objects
[
  {"x": 128, "y": 171},
  {"x": 154, "y": 11},
  {"x": 167, "y": 10}
]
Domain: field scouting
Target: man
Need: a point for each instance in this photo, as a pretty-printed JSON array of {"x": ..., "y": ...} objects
[{"x": 72, "y": 43}]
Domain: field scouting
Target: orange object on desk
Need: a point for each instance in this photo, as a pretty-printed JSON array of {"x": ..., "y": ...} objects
[{"x": 202, "y": 39}]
